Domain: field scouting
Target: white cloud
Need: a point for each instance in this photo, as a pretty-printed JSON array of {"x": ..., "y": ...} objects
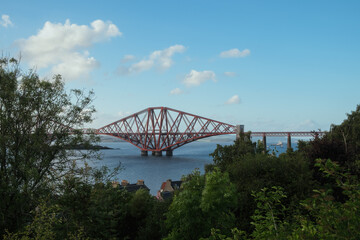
[
  {"x": 195, "y": 78},
  {"x": 159, "y": 58},
  {"x": 63, "y": 47},
  {"x": 77, "y": 66},
  {"x": 122, "y": 114},
  {"x": 235, "y": 53},
  {"x": 5, "y": 21},
  {"x": 230, "y": 74},
  {"x": 143, "y": 65},
  {"x": 127, "y": 58},
  {"x": 233, "y": 100},
  {"x": 176, "y": 91}
]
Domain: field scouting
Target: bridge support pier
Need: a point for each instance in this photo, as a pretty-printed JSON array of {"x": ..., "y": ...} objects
[
  {"x": 289, "y": 141},
  {"x": 158, "y": 153},
  {"x": 239, "y": 131},
  {"x": 264, "y": 142},
  {"x": 144, "y": 153},
  {"x": 169, "y": 153}
]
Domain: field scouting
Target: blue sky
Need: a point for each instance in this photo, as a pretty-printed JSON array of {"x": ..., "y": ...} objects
[{"x": 270, "y": 65}]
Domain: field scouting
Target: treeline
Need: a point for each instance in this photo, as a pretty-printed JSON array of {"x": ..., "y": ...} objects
[
  {"x": 49, "y": 192},
  {"x": 250, "y": 193}
]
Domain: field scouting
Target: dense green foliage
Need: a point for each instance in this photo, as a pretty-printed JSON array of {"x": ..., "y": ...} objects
[
  {"x": 247, "y": 193},
  {"x": 252, "y": 170},
  {"x": 205, "y": 202},
  {"x": 35, "y": 121}
]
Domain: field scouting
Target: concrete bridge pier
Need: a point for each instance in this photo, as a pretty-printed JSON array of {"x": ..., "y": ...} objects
[
  {"x": 144, "y": 153},
  {"x": 289, "y": 141},
  {"x": 239, "y": 131},
  {"x": 264, "y": 141},
  {"x": 158, "y": 153}
]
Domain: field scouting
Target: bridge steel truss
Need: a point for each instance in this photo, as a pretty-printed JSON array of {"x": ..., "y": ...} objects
[
  {"x": 160, "y": 129},
  {"x": 314, "y": 134},
  {"x": 282, "y": 134}
]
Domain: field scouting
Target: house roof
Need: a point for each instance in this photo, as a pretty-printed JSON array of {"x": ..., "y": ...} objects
[{"x": 170, "y": 185}]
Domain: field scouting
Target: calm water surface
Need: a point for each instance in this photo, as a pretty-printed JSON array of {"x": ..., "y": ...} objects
[{"x": 155, "y": 170}]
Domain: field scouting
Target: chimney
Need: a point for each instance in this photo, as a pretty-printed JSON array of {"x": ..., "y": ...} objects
[
  {"x": 140, "y": 182},
  {"x": 124, "y": 183},
  {"x": 115, "y": 184},
  {"x": 168, "y": 187}
]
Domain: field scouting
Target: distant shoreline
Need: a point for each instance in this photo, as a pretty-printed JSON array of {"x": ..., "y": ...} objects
[{"x": 91, "y": 147}]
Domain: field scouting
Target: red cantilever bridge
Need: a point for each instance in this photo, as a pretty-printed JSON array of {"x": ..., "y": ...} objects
[{"x": 159, "y": 129}]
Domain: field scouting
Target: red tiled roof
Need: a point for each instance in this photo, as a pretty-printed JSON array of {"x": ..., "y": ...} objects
[{"x": 163, "y": 185}]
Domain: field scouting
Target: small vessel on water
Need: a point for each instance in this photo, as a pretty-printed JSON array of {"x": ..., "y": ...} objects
[{"x": 278, "y": 144}]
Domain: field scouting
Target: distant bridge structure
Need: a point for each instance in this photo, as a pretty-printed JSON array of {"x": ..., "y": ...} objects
[
  {"x": 162, "y": 129},
  {"x": 287, "y": 134},
  {"x": 159, "y": 129}
]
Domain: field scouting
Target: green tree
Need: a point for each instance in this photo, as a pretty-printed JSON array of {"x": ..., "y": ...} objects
[
  {"x": 37, "y": 122},
  {"x": 341, "y": 144},
  {"x": 140, "y": 207},
  {"x": 185, "y": 217},
  {"x": 250, "y": 169},
  {"x": 268, "y": 216},
  {"x": 254, "y": 172},
  {"x": 205, "y": 202},
  {"x": 224, "y": 156},
  {"x": 323, "y": 216},
  {"x": 154, "y": 227},
  {"x": 42, "y": 226},
  {"x": 327, "y": 218},
  {"x": 107, "y": 213},
  {"x": 218, "y": 202},
  {"x": 349, "y": 132},
  {"x": 47, "y": 219},
  {"x": 97, "y": 209}
]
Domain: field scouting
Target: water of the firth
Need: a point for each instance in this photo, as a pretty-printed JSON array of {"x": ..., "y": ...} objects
[{"x": 155, "y": 170}]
